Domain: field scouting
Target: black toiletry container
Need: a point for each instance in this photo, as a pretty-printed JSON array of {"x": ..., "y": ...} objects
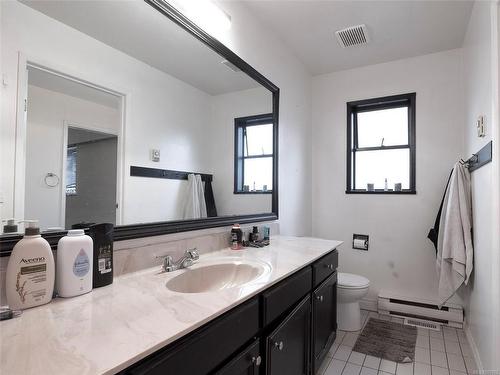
[{"x": 102, "y": 235}]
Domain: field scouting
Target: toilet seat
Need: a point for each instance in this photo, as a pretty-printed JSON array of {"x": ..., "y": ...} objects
[{"x": 352, "y": 281}]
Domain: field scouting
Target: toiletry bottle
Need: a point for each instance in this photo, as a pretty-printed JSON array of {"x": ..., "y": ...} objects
[
  {"x": 102, "y": 236},
  {"x": 10, "y": 227},
  {"x": 267, "y": 232},
  {"x": 255, "y": 234},
  {"x": 236, "y": 237},
  {"x": 386, "y": 186},
  {"x": 30, "y": 271},
  {"x": 74, "y": 264}
]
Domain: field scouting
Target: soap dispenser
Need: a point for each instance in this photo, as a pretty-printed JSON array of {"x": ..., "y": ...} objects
[{"x": 30, "y": 270}]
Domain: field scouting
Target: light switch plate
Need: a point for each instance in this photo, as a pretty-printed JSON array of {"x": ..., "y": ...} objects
[
  {"x": 155, "y": 155},
  {"x": 481, "y": 129}
]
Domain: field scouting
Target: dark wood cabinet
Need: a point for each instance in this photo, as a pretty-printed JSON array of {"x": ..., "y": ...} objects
[
  {"x": 287, "y": 347},
  {"x": 247, "y": 362},
  {"x": 286, "y": 329},
  {"x": 324, "y": 320}
]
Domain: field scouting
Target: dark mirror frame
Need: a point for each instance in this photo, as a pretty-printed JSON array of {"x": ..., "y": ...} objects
[{"x": 126, "y": 232}]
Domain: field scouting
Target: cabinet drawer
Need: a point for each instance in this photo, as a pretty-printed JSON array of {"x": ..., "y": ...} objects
[
  {"x": 206, "y": 348},
  {"x": 284, "y": 295},
  {"x": 325, "y": 266}
]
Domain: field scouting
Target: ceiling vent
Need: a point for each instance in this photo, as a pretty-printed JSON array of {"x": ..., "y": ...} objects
[
  {"x": 353, "y": 36},
  {"x": 231, "y": 66}
]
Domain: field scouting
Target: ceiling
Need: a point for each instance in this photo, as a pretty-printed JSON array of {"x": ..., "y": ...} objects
[
  {"x": 398, "y": 29},
  {"x": 135, "y": 28},
  {"x": 52, "y": 82}
]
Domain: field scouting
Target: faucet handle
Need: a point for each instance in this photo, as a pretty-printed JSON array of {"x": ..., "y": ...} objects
[
  {"x": 168, "y": 263},
  {"x": 193, "y": 254}
]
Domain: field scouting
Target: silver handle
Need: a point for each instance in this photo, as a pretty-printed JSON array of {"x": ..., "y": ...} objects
[
  {"x": 279, "y": 345},
  {"x": 193, "y": 254},
  {"x": 319, "y": 298},
  {"x": 257, "y": 360},
  {"x": 329, "y": 266}
]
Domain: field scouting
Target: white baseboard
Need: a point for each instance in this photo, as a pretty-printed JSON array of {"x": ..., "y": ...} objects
[
  {"x": 473, "y": 347},
  {"x": 369, "y": 304}
]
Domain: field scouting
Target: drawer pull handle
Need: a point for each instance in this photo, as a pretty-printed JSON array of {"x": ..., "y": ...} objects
[
  {"x": 329, "y": 266},
  {"x": 257, "y": 360},
  {"x": 279, "y": 345},
  {"x": 319, "y": 298}
]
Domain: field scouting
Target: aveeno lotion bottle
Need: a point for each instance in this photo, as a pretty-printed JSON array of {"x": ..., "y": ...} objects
[{"x": 30, "y": 271}]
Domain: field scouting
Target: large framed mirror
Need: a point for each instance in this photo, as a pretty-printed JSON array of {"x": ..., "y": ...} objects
[{"x": 129, "y": 113}]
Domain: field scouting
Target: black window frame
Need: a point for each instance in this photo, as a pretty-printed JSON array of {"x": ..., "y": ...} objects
[
  {"x": 387, "y": 102},
  {"x": 240, "y": 125}
]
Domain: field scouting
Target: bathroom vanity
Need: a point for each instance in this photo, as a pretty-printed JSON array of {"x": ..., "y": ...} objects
[
  {"x": 283, "y": 321},
  {"x": 286, "y": 329}
]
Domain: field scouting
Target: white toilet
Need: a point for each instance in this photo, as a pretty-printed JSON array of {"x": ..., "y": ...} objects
[{"x": 350, "y": 289}]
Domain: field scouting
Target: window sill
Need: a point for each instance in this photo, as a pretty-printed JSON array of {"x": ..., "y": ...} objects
[
  {"x": 380, "y": 191},
  {"x": 253, "y": 192}
]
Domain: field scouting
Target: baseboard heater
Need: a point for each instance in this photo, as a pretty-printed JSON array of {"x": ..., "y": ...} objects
[{"x": 394, "y": 304}]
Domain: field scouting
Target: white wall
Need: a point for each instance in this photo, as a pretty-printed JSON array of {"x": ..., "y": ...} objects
[
  {"x": 225, "y": 108},
  {"x": 400, "y": 258},
  {"x": 481, "y": 98},
  {"x": 45, "y": 126},
  {"x": 259, "y": 46}
]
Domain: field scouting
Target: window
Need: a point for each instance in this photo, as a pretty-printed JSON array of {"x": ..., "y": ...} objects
[
  {"x": 254, "y": 154},
  {"x": 381, "y": 145},
  {"x": 71, "y": 156}
]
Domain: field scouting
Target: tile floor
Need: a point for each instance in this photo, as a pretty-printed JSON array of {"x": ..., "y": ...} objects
[{"x": 436, "y": 353}]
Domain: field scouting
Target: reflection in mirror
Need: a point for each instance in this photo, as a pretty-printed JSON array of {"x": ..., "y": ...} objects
[
  {"x": 124, "y": 88},
  {"x": 71, "y": 168}
]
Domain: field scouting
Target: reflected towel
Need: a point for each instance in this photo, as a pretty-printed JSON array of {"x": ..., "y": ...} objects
[
  {"x": 454, "y": 248},
  {"x": 195, "y": 206}
]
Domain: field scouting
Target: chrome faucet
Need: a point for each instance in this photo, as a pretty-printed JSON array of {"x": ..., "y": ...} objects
[{"x": 190, "y": 256}]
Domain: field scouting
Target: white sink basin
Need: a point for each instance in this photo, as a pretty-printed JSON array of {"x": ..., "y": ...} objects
[{"x": 218, "y": 274}]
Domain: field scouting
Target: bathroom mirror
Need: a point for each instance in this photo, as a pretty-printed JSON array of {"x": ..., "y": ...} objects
[{"x": 127, "y": 112}]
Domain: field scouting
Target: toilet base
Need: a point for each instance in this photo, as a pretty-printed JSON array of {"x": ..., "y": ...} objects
[{"x": 348, "y": 316}]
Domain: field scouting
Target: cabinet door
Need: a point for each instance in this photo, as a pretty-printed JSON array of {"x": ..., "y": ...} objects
[
  {"x": 245, "y": 363},
  {"x": 324, "y": 319},
  {"x": 288, "y": 346}
]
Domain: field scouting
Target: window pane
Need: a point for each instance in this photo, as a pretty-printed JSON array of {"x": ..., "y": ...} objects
[
  {"x": 259, "y": 140},
  {"x": 388, "y": 124},
  {"x": 375, "y": 166},
  {"x": 71, "y": 156},
  {"x": 259, "y": 172}
]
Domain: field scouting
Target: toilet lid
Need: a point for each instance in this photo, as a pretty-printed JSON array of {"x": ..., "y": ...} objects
[{"x": 350, "y": 280}]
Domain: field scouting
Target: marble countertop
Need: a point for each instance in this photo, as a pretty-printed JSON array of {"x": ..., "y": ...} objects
[{"x": 107, "y": 330}]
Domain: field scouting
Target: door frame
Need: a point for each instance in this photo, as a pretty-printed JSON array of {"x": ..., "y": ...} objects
[{"x": 22, "y": 107}]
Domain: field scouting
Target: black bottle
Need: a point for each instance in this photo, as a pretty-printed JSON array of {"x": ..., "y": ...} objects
[{"x": 102, "y": 235}]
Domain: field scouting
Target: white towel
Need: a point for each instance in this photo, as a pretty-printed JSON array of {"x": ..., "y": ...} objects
[
  {"x": 455, "y": 252},
  {"x": 195, "y": 206}
]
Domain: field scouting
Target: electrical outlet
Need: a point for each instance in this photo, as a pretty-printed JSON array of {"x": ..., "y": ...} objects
[{"x": 155, "y": 155}]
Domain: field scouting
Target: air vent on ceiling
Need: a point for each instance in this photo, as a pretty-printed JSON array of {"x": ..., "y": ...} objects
[
  {"x": 231, "y": 66},
  {"x": 353, "y": 36}
]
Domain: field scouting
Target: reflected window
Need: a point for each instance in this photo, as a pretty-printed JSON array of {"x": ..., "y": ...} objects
[
  {"x": 71, "y": 157},
  {"x": 381, "y": 144},
  {"x": 254, "y": 154}
]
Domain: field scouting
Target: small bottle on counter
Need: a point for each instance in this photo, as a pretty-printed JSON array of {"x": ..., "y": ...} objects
[
  {"x": 74, "y": 264},
  {"x": 236, "y": 237},
  {"x": 102, "y": 237}
]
